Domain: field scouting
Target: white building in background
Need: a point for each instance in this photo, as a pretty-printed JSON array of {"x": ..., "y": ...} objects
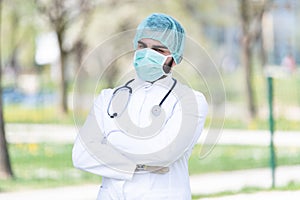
[
  {"x": 284, "y": 31},
  {"x": 47, "y": 53}
]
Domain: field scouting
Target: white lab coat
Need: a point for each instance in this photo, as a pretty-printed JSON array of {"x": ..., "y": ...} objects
[{"x": 126, "y": 184}]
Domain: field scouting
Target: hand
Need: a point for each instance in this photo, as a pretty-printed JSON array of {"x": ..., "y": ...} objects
[{"x": 152, "y": 169}]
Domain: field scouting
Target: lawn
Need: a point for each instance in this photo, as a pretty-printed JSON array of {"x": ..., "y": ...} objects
[
  {"x": 46, "y": 115},
  {"x": 237, "y": 157},
  {"x": 50, "y": 165},
  {"x": 43, "y": 165}
]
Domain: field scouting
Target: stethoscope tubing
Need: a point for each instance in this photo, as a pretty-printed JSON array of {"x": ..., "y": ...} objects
[
  {"x": 130, "y": 93},
  {"x": 170, "y": 90}
]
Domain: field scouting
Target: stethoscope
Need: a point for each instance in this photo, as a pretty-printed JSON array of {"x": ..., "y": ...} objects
[{"x": 156, "y": 110}]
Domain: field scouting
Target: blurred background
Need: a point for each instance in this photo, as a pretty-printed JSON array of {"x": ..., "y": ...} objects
[{"x": 44, "y": 43}]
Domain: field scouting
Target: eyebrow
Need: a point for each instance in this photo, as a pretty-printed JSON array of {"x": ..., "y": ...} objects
[
  {"x": 154, "y": 46},
  {"x": 159, "y": 47}
]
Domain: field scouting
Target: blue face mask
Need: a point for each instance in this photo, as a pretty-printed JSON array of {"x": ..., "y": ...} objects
[{"x": 148, "y": 64}]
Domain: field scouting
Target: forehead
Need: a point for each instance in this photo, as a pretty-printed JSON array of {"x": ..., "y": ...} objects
[{"x": 151, "y": 42}]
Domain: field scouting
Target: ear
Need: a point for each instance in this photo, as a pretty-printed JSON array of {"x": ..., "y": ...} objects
[{"x": 173, "y": 63}]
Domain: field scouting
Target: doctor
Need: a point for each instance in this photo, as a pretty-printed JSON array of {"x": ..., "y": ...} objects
[{"x": 139, "y": 136}]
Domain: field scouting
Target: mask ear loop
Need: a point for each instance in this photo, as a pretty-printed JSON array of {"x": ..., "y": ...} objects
[{"x": 180, "y": 59}]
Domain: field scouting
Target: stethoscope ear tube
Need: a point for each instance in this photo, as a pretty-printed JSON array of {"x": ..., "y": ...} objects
[
  {"x": 114, "y": 114},
  {"x": 113, "y": 95}
]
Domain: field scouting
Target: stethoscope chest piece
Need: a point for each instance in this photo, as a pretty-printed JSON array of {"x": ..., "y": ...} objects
[{"x": 156, "y": 110}]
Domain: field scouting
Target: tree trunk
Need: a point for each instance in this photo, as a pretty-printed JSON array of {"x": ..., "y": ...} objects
[
  {"x": 247, "y": 63},
  {"x": 63, "y": 82},
  {"x": 5, "y": 167},
  {"x": 247, "y": 55}
]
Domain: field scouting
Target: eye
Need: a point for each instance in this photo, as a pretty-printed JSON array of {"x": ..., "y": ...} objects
[
  {"x": 159, "y": 50},
  {"x": 164, "y": 52},
  {"x": 141, "y": 46}
]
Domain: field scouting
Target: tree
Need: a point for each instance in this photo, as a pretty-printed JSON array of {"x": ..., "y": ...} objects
[
  {"x": 20, "y": 31},
  {"x": 247, "y": 13},
  {"x": 5, "y": 167},
  {"x": 251, "y": 13},
  {"x": 61, "y": 15}
]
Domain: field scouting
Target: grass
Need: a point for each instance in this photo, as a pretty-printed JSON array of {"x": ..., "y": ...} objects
[
  {"x": 291, "y": 186},
  {"x": 286, "y": 90},
  {"x": 50, "y": 165},
  {"x": 41, "y": 115},
  {"x": 229, "y": 158},
  {"x": 281, "y": 124},
  {"x": 43, "y": 165},
  {"x": 46, "y": 115}
]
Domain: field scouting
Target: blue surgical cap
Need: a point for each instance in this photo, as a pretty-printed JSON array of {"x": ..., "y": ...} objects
[{"x": 165, "y": 29}]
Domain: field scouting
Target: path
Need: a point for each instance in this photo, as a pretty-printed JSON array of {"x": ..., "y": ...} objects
[
  {"x": 66, "y": 134},
  {"x": 200, "y": 184}
]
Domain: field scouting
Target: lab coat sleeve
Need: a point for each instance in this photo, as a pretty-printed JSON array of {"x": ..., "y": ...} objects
[
  {"x": 202, "y": 113},
  {"x": 193, "y": 124},
  {"x": 83, "y": 160},
  {"x": 92, "y": 155},
  {"x": 178, "y": 135},
  {"x": 198, "y": 116}
]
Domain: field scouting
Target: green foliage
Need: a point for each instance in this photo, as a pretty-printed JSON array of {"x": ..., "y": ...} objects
[
  {"x": 230, "y": 158},
  {"x": 248, "y": 190},
  {"x": 21, "y": 114},
  {"x": 49, "y": 115},
  {"x": 43, "y": 165},
  {"x": 281, "y": 124},
  {"x": 286, "y": 90},
  {"x": 286, "y": 101},
  {"x": 50, "y": 165},
  {"x": 20, "y": 29}
]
